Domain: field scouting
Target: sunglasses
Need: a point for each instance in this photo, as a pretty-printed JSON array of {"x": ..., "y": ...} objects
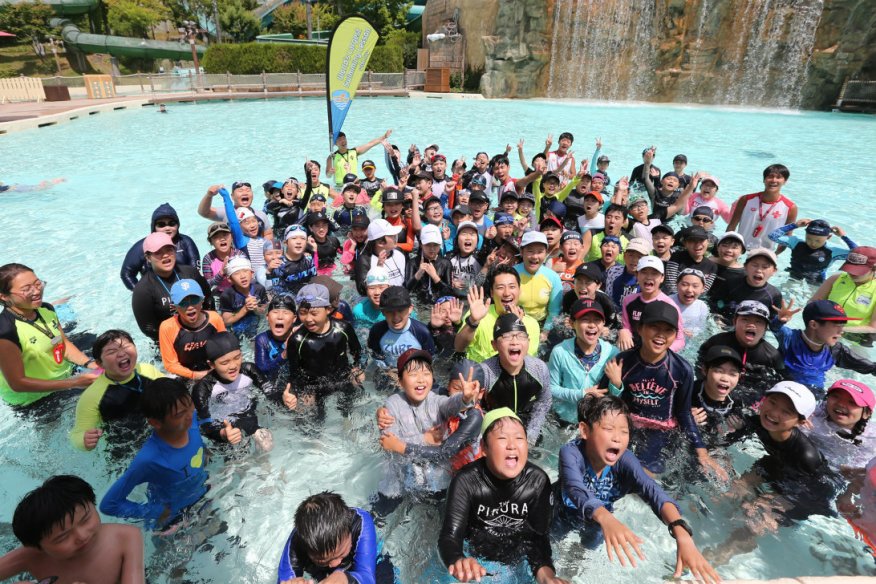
[
  {"x": 190, "y": 301},
  {"x": 701, "y": 219},
  {"x": 168, "y": 223}
]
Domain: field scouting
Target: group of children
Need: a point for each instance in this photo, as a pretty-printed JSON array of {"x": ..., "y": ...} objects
[{"x": 566, "y": 303}]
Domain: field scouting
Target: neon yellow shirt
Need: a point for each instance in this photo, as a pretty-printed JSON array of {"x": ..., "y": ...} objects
[
  {"x": 344, "y": 164},
  {"x": 481, "y": 347}
]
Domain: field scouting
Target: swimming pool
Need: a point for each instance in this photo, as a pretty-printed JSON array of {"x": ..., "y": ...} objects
[{"x": 120, "y": 166}]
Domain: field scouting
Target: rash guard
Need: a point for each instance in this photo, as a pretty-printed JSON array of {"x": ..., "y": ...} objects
[
  {"x": 528, "y": 393},
  {"x": 809, "y": 367},
  {"x": 183, "y": 349},
  {"x": 217, "y": 399},
  {"x": 541, "y": 294},
  {"x": 807, "y": 263},
  {"x": 387, "y": 344},
  {"x": 317, "y": 358}
]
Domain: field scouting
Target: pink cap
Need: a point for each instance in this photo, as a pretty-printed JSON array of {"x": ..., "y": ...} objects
[
  {"x": 711, "y": 178},
  {"x": 862, "y": 394},
  {"x": 155, "y": 241}
]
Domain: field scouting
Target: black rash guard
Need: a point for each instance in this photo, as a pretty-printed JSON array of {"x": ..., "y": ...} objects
[
  {"x": 217, "y": 399},
  {"x": 762, "y": 365},
  {"x": 151, "y": 298},
  {"x": 327, "y": 251},
  {"x": 327, "y": 358},
  {"x": 502, "y": 520}
]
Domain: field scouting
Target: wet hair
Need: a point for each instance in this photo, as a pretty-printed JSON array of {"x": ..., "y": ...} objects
[
  {"x": 615, "y": 208},
  {"x": 778, "y": 169},
  {"x": 8, "y": 272},
  {"x": 498, "y": 421},
  {"x": 416, "y": 364},
  {"x": 498, "y": 271},
  {"x": 591, "y": 408},
  {"x": 163, "y": 396},
  {"x": 566, "y": 135},
  {"x": 858, "y": 429},
  {"x": 503, "y": 158},
  {"x": 49, "y": 506},
  {"x": 321, "y": 523},
  {"x": 108, "y": 337}
]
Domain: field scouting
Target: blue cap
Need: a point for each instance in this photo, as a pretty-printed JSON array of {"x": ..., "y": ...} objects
[
  {"x": 182, "y": 289},
  {"x": 611, "y": 239},
  {"x": 557, "y": 208},
  {"x": 503, "y": 219},
  {"x": 277, "y": 185}
]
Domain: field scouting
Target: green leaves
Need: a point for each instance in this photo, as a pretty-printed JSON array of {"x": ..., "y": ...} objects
[
  {"x": 28, "y": 20},
  {"x": 253, "y": 58}
]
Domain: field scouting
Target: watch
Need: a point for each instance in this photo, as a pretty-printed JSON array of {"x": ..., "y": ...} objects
[
  {"x": 470, "y": 322},
  {"x": 680, "y": 523}
]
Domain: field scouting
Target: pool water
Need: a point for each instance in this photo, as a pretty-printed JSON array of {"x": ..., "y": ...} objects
[{"x": 120, "y": 166}]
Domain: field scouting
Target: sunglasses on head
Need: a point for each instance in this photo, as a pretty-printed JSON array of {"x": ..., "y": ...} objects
[{"x": 166, "y": 223}]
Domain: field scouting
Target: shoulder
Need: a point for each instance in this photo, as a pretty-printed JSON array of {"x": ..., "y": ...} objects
[
  {"x": 536, "y": 474},
  {"x": 535, "y": 364},
  {"x": 215, "y": 319}
]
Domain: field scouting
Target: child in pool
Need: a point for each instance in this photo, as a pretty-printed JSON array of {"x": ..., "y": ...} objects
[
  {"x": 649, "y": 276},
  {"x": 181, "y": 338},
  {"x": 694, "y": 312},
  {"x": 245, "y": 227},
  {"x": 367, "y": 311},
  {"x": 327, "y": 246},
  {"x": 299, "y": 263},
  {"x": 840, "y": 425},
  {"x": 398, "y": 331},
  {"x": 355, "y": 243},
  {"x": 270, "y": 345},
  {"x": 707, "y": 197},
  {"x": 811, "y": 257},
  {"x": 716, "y": 413},
  {"x": 213, "y": 264},
  {"x": 760, "y": 265},
  {"x": 597, "y": 470},
  {"x": 63, "y": 540},
  {"x": 242, "y": 305}
]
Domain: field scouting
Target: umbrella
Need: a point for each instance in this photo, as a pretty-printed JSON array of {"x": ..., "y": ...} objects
[{"x": 3, "y": 33}]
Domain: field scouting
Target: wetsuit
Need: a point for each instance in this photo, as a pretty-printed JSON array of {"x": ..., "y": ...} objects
[
  {"x": 723, "y": 277},
  {"x": 290, "y": 277},
  {"x": 502, "y": 520},
  {"x": 151, "y": 298},
  {"x": 358, "y": 565},
  {"x": 797, "y": 453},
  {"x": 808, "y": 367},
  {"x": 682, "y": 260},
  {"x": 637, "y": 176},
  {"x": 723, "y": 418},
  {"x": 217, "y": 400},
  {"x": 232, "y": 301},
  {"x": 343, "y": 216},
  {"x": 464, "y": 273},
  {"x": 762, "y": 365},
  {"x": 406, "y": 237},
  {"x": 528, "y": 393},
  {"x": 269, "y": 359},
  {"x": 387, "y": 344},
  {"x": 738, "y": 290},
  {"x": 176, "y": 478},
  {"x": 42, "y": 351},
  {"x": 183, "y": 349},
  {"x": 807, "y": 263},
  {"x": 837, "y": 445},
  {"x": 322, "y": 359},
  {"x": 327, "y": 252},
  {"x": 106, "y": 400},
  {"x": 427, "y": 290}
]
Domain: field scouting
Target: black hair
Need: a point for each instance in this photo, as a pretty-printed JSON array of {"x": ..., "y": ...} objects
[
  {"x": 321, "y": 523},
  {"x": 498, "y": 270},
  {"x": 777, "y": 168},
  {"x": 417, "y": 363},
  {"x": 503, "y": 158},
  {"x": 48, "y": 506},
  {"x": 8, "y": 273},
  {"x": 591, "y": 408},
  {"x": 106, "y": 338},
  {"x": 496, "y": 422},
  {"x": 163, "y": 396},
  {"x": 615, "y": 208},
  {"x": 857, "y": 430},
  {"x": 307, "y": 164},
  {"x": 567, "y": 135},
  {"x": 537, "y": 156},
  {"x": 484, "y": 153}
]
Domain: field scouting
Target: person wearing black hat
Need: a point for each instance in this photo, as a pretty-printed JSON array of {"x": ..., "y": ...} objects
[
  {"x": 226, "y": 398},
  {"x": 662, "y": 239},
  {"x": 658, "y": 386},
  {"x": 811, "y": 257},
  {"x": 391, "y": 337},
  {"x": 355, "y": 242},
  {"x": 343, "y": 215},
  {"x": 393, "y": 206},
  {"x": 667, "y": 196},
  {"x": 696, "y": 244},
  {"x": 327, "y": 246},
  {"x": 679, "y": 163},
  {"x": 715, "y": 411},
  {"x": 479, "y": 202},
  {"x": 343, "y": 160},
  {"x": 271, "y": 344},
  {"x": 588, "y": 284},
  {"x": 371, "y": 183}
]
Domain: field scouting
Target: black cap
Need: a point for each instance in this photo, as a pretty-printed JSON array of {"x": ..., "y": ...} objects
[
  {"x": 508, "y": 194},
  {"x": 392, "y": 195},
  {"x": 350, "y": 177},
  {"x": 477, "y": 195},
  {"x": 423, "y": 176},
  {"x": 659, "y": 311},
  {"x": 221, "y": 344},
  {"x": 721, "y": 353},
  {"x": 584, "y": 305},
  {"x": 507, "y": 323},
  {"x": 314, "y": 217},
  {"x": 680, "y": 158},
  {"x": 359, "y": 219},
  {"x": 590, "y": 271},
  {"x": 464, "y": 209},
  {"x": 664, "y": 228},
  {"x": 282, "y": 302},
  {"x": 550, "y": 175},
  {"x": 395, "y": 298},
  {"x": 694, "y": 232}
]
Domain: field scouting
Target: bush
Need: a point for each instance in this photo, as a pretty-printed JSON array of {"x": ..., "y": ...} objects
[
  {"x": 407, "y": 42},
  {"x": 253, "y": 58}
]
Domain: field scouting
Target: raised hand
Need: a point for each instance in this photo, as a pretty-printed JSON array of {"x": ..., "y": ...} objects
[
  {"x": 470, "y": 389},
  {"x": 786, "y": 310},
  {"x": 549, "y": 141},
  {"x": 91, "y": 438},
  {"x": 476, "y": 305},
  {"x": 614, "y": 370},
  {"x": 599, "y": 143},
  {"x": 520, "y": 144},
  {"x": 290, "y": 400},
  {"x": 231, "y": 434},
  {"x": 455, "y": 311}
]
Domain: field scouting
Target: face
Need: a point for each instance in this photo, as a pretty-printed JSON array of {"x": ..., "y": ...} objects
[
  {"x": 640, "y": 211},
  {"x": 359, "y": 234},
  {"x": 438, "y": 167},
  {"x": 591, "y": 206},
  {"x": 467, "y": 240},
  {"x": 481, "y": 161},
  {"x": 429, "y": 153},
  {"x": 118, "y": 358},
  {"x": 26, "y": 291},
  {"x": 478, "y": 208},
  {"x": 816, "y": 241},
  {"x": 434, "y": 214},
  {"x": 315, "y": 318},
  {"x": 539, "y": 164},
  {"x": 336, "y": 557},
  {"x": 571, "y": 250},
  {"x": 524, "y": 207},
  {"x": 221, "y": 242},
  {"x": 777, "y": 413},
  {"x": 504, "y": 231},
  {"x": 163, "y": 260},
  {"x": 242, "y": 196},
  {"x": 583, "y": 187},
  {"x": 397, "y": 319},
  {"x": 729, "y": 251},
  {"x": 425, "y": 185},
  {"x": 350, "y": 196},
  {"x": 509, "y": 205},
  {"x": 551, "y": 186},
  {"x": 228, "y": 365},
  {"x": 178, "y": 420},
  {"x": 585, "y": 287},
  {"x": 368, "y": 171},
  {"x": 442, "y": 312},
  {"x": 565, "y": 143},
  {"x": 272, "y": 255},
  {"x": 280, "y": 322},
  {"x": 657, "y": 336},
  {"x": 689, "y": 289},
  {"x": 843, "y": 410},
  {"x": 708, "y": 189},
  {"x": 393, "y": 209},
  {"x": 597, "y": 184},
  {"x": 749, "y": 330},
  {"x": 320, "y": 229},
  {"x": 341, "y": 142},
  {"x": 431, "y": 251},
  {"x": 316, "y": 206},
  {"x": 703, "y": 221},
  {"x": 374, "y": 292},
  {"x": 662, "y": 242},
  {"x": 588, "y": 328},
  {"x": 500, "y": 170},
  {"x": 610, "y": 251},
  {"x": 696, "y": 248},
  {"x": 74, "y": 536},
  {"x": 189, "y": 310},
  {"x": 313, "y": 172},
  {"x": 670, "y": 183},
  {"x": 678, "y": 165},
  {"x": 168, "y": 225},
  {"x": 773, "y": 182},
  {"x": 505, "y": 292},
  {"x": 649, "y": 281},
  {"x": 296, "y": 245},
  {"x": 416, "y": 383},
  {"x": 613, "y": 222},
  {"x": 250, "y": 226},
  {"x": 242, "y": 278},
  {"x": 552, "y": 233},
  {"x": 506, "y": 448},
  {"x": 721, "y": 379},
  {"x": 534, "y": 255},
  {"x": 512, "y": 348},
  {"x": 827, "y": 332},
  {"x": 631, "y": 260},
  {"x": 758, "y": 270},
  {"x": 386, "y": 243},
  {"x": 607, "y": 439},
  {"x": 289, "y": 190},
  {"x": 454, "y": 386}
]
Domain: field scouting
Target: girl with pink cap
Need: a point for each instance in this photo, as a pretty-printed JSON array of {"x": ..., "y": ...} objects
[{"x": 840, "y": 426}]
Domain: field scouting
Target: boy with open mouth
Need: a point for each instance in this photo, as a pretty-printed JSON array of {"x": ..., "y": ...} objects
[{"x": 715, "y": 412}]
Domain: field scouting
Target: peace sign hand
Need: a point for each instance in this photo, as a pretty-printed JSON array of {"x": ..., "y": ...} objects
[
  {"x": 470, "y": 389},
  {"x": 786, "y": 311}
]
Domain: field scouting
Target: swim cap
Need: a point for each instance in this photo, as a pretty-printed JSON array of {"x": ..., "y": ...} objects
[
  {"x": 282, "y": 302},
  {"x": 508, "y": 323},
  {"x": 377, "y": 276},
  {"x": 494, "y": 416},
  {"x": 236, "y": 264},
  {"x": 221, "y": 344},
  {"x": 463, "y": 366}
]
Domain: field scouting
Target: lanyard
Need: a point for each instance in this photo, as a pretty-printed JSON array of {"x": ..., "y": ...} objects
[
  {"x": 38, "y": 323},
  {"x": 760, "y": 205},
  {"x": 163, "y": 285}
]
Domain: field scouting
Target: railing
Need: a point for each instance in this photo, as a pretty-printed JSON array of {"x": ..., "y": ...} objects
[{"x": 857, "y": 95}]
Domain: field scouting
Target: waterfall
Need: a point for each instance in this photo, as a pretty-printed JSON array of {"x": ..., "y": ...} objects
[{"x": 745, "y": 52}]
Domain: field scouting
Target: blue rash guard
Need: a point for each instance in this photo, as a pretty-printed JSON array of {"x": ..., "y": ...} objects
[
  {"x": 269, "y": 354},
  {"x": 176, "y": 478},
  {"x": 359, "y": 565},
  {"x": 809, "y": 367},
  {"x": 232, "y": 301},
  {"x": 807, "y": 263},
  {"x": 253, "y": 247},
  {"x": 386, "y": 344}
]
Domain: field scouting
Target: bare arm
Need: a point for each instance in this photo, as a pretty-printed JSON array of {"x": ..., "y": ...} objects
[
  {"x": 12, "y": 368},
  {"x": 863, "y": 328},
  {"x": 523, "y": 163},
  {"x": 522, "y": 182},
  {"x": 416, "y": 221},
  {"x": 366, "y": 147},
  {"x": 737, "y": 213},
  {"x": 133, "y": 569},
  {"x": 205, "y": 209}
]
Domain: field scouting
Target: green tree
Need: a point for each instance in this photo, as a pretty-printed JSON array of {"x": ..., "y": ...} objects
[
  {"x": 135, "y": 18},
  {"x": 292, "y": 18},
  {"x": 29, "y": 21},
  {"x": 385, "y": 15},
  {"x": 238, "y": 23}
]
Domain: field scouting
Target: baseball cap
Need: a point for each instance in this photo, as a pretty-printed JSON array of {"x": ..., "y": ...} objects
[
  {"x": 331, "y": 285},
  {"x": 314, "y": 296},
  {"x": 531, "y": 237},
  {"x": 359, "y": 219},
  {"x": 369, "y": 164},
  {"x": 596, "y": 195},
  {"x": 598, "y": 176},
  {"x": 860, "y": 261},
  {"x": 557, "y": 208},
  {"x": 184, "y": 288},
  {"x": 692, "y": 272},
  {"x": 155, "y": 241},
  {"x": 380, "y": 228},
  {"x": 569, "y": 234},
  {"x": 377, "y": 276},
  {"x": 282, "y": 302},
  {"x": 695, "y": 232},
  {"x": 861, "y": 393},
  {"x": 637, "y": 200},
  {"x": 463, "y": 366},
  {"x": 239, "y": 183},
  {"x": 395, "y": 298},
  {"x": 410, "y": 355},
  {"x": 509, "y": 194},
  {"x": 220, "y": 344},
  {"x": 508, "y": 323},
  {"x": 824, "y": 310},
  {"x": 551, "y": 222},
  {"x": 477, "y": 183},
  {"x": 801, "y": 397},
  {"x": 294, "y": 231},
  {"x": 663, "y": 228},
  {"x": 753, "y": 308},
  {"x": 350, "y": 186},
  {"x": 680, "y": 158},
  {"x": 315, "y": 217},
  {"x": 526, "y": 197},
  {"x": 237, "y": 264},
  {"x": 649, "y": 261},
  {"x": 423, "y": 176},
  {"x": 494, "y": 416},
  {"x": 602, "y": 158},
  {"x": 735, "y": 236},
  {"x": 818, "y": 227},
  {"x": 350, "y": 178},
  {"x": 722, "y": 353},
  {"x": 640, "y": 245},
  {"x": 466, "y": 224},
  {"x": 392, "y": 195},
  {"x": 478, "y": 195},
  {"x": 703, "y": 210},
  {"x": 583, "y": 306},
  {"x": 551, "y": 175},
  {"x": 590, "y": 271},
  {"x": 462, "y": 209},
  {"x": 501, "y": 218},
  {"x": 272, "y": 244},
  {"x": 711, "y": 178},
  {"x": 216, "y": 228},
  {"x": 659, "y": 311},
  {"x": 439, "y": 156},
  {"x": 762, "y": 252},
  {"x": 430, "y": 234}
]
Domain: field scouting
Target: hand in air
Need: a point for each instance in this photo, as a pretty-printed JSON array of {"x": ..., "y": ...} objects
[
  {"x": 91, "y": 438},
  {"x": 786, "y": 310},
  {"x": 470, "y": 389},
  {"x": 476, "y": 305}
]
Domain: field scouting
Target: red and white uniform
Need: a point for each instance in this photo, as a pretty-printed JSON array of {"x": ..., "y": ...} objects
[
  {"x": 759, "y": 218},
  {"x": 555, "y": 161}
]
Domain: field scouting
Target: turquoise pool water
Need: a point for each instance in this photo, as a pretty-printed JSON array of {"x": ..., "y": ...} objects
[{"x": 119, "y": 166}]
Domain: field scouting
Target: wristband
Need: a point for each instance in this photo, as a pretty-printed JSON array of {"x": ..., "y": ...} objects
[
  {"x": 680, "y": 523},
  {"x": 470, "y": 323}
]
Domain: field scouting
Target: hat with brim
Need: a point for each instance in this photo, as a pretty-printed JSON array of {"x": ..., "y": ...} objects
[
  {"x": 584, "y": 306},
  {"x": 721, "y": 354},
  {"x": 658, "y": 311},
  {"x": 380, "y": 228},
  {"x": 764, "y": 253},
  {"x": 860, "y": 261},
  {"x": 861, "y": 394},
  {"x": 412, "y": 355},
  {"x": 183, "y": 289},
  {"x": 155, "y": 241},
  {"x": 799, "y": 394}
]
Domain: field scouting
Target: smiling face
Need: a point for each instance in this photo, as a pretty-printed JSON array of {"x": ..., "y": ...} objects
[
  {"x": 649, "y": 281},
  {"x": 597, "y": 184},
  {"x": 524, "y": 207},
  {"x": 758, "y": 271},
  {"x": 773, "y": 183},
  {"x": 478, "y": 208},
  {"x": 696, "y": 248},
  {"x": 74, "y": 536},
  {"x": 386, "y": 243},
  {"x": 607, "y": 439},
  {"x": 551, "y": 186},
  {"x": 118, "y": 358},
  {"x": 374, "y": 292},
  {"x": 315, "y": 206},
  {"x": 613, "y": 222},
  {"x": 500, "y": 171},
  {"x": 721, "y": 379},
  {"x": 689, "y": 289},
  {"x": 250, "y": 226},
  {"x": 571, "y": 250},
  {"x": 481, "y": 161},
  {"x": 843, "y": 411},
  {"x": 393, "y": 210},
  {"x": 656, "y": 337},
  {"x": 708, "y": 189},
  {"x": 512, "y": 348},
  {"x": 777, "y": 413},
  {"x": 749, "y": 330},
  {"x": 585, "y": 287},
  {"x": 729, "y": 251},
  {"x": 359, "y": 234},
  {"x": 533, "y": 255},
  {"x": 662, "y": 242},
  {"x": 168, "y": 225},
  {"x": 295, "y": 246},
  {"x": 505, "y": 292},
  {"x": 669, "y": 184},
  {"x": 588, "y": 328},
  {"x": 416, "y": 381},
  {"x": 509, "y": 205},
  {"x": 280, "y": 322},
  {"x": 189, "y": 310},
  {"x": 320, "y": 230},
  {"x": 25, "y": 291},
  {"x": 397, "y": 319},
  {"x": 506, "y": 449},
  {"x": 242, "y": 196},
  {"x": 434, "y": 212},
  {"x": 228, "y": 365}
]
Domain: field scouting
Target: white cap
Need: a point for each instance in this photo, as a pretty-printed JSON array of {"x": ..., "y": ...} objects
[
  {"x": 295, "y": 230},
  {"x": 734, "y": 235},
  {"x": 640, "y": 245},
  {"x": 237, "y": 264},
  {"x": 377, "y": 276},
  {"x": 533, "y": 237},
  {"x": 244, "y": 213},
  {"x": 430, "y": 234},
  {"x": 649, "y": 261},
  {"x": 380, "y": 228},
  {"x": 801, "y": 397},
  {"x": 463, "y": 224}
]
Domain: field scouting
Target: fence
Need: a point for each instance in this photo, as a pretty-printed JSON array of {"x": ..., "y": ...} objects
[
  {"x": 857, "y": 95},
  {"x": 21, "y": 89}
]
